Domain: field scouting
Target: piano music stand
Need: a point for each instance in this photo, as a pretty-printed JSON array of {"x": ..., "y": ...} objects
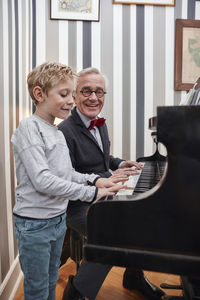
[{"x": 156, "y": 156}]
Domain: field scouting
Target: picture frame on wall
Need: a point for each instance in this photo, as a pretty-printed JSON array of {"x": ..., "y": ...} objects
[
  {"x": 85, "y": 10},
  {"x": 146, "y": 2},
  {"x": 187, "y": 54}
]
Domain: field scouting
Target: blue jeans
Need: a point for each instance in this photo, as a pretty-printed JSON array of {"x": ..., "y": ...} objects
[{"x": 40, "y": 245}]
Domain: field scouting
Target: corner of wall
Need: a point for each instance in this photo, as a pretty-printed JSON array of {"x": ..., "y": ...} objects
[{"x": 11, "y": 282}]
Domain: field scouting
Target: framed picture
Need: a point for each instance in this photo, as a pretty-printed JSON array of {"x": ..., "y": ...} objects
[
  {"x": 146, "y": 2},
  {"x": 187, "y": 54},
  {"x": 85, "y": 10}
]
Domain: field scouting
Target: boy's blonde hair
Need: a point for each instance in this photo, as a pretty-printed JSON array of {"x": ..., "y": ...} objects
[{"x": 47, "y": 75}]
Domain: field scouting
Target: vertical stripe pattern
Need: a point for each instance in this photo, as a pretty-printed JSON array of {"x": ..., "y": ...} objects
[
  {"x": 86, "y": 44},
  {"x": 126, "y": 81},
  {"x": 15, "y": 57},
  {"x": 117, "y": 80},
  {"x": 148, "y": 77},
  {"x": 4, "y": 148},
  {"x": 140, "y": 80},
  {"x": 133, "y": 45}
]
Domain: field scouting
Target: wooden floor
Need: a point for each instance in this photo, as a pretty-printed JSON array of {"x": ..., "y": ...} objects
[{"x": 112, "y": 288}]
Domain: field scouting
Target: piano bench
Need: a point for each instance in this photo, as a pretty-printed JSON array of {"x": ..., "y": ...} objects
[{"x": 76, "y": 246}]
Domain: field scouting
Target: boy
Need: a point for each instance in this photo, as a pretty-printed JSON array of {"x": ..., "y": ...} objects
[{"x": 44, "y": 185}]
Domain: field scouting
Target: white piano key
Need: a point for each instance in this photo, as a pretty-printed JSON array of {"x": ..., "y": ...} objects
[{"x": 132, "y": 182}]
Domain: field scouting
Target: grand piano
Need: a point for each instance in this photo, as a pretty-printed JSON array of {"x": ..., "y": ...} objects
[{"x": 157, "y": 229}]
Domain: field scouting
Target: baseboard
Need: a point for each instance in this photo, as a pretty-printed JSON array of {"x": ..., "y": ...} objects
[{"x": 11, "y": 282}]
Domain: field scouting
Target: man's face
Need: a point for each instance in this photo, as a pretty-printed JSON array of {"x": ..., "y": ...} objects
[{"x": 90, "y": 106}]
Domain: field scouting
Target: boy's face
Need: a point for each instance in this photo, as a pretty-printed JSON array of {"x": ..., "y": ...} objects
[
  {"x": 58, "y": 102},
  {"x": 90, "y": 106}
]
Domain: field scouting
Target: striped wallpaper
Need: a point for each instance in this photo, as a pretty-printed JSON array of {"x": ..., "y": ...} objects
[{"x": 133, "y": 45}]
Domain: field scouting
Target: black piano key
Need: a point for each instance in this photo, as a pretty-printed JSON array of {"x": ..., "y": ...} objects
[{"x": 151, "y": 174}]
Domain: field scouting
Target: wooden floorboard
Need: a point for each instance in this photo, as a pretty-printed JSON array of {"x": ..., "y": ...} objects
[{"x": 112, "y": 288}]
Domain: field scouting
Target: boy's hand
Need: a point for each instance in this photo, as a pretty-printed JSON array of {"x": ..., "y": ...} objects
[
  {"x": 110, "y": 182},
  {"x": 102, "y": 192}
]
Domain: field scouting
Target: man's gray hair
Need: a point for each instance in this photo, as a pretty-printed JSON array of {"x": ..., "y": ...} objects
[{"x": 92, "y": 70}]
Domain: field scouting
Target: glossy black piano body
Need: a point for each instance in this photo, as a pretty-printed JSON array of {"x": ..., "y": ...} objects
[{"x": 158, "y": 230}]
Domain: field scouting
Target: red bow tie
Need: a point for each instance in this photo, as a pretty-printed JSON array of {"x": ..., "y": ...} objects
[{"x": 97, "y": 122}]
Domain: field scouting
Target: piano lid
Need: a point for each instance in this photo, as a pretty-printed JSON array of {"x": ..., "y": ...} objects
[{"x": 159, "y": 230}]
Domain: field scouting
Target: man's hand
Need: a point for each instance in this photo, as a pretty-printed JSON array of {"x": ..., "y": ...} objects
[
  {"x": 110, "y": 182},
  {"x": 130, "y": 164},
  {"x": 102, "y": 192},
  {"x": 124, "y": 172}
]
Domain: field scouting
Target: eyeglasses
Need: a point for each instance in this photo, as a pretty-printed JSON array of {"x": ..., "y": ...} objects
[{"x": 87, "y": 93}]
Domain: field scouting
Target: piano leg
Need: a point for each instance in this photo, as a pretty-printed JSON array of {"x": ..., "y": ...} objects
[
  {"x": 188, "y": 286},
  {"x": 173, "y": 298},
  {"x": 194, "y": 284},
  {"x": 135, "y": 280}
]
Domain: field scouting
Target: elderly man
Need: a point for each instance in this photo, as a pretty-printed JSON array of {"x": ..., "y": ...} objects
[{"x": 88, "y": 141}]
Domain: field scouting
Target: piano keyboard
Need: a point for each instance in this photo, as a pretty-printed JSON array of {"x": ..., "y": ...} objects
[
  {"x": 131, "y": 183},
  {"x": 148, "y": 177}
]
